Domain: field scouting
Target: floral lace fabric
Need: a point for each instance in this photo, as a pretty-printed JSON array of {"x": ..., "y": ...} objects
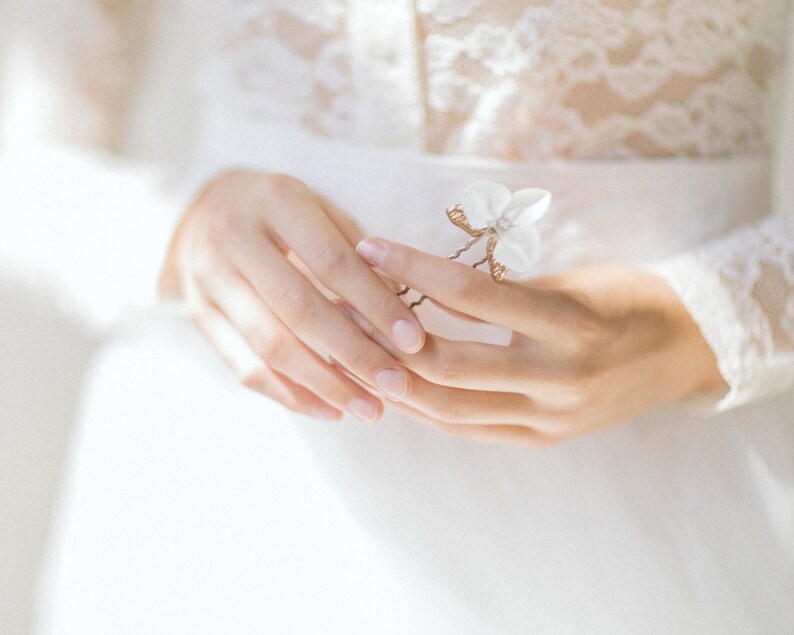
[
  {"x": 541, "y": 80},
  {"x": 598, "y": 78},
  {"x": 536, "y": 80},
  {"x": 288, "y": 61},
  {"x": 550, "y": 80}
]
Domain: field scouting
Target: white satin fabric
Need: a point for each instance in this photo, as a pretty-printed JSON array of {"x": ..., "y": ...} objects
[{"x": 197, "y": 507}]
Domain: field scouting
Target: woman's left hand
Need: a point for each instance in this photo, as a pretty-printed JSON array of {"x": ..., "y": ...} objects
[{"x": 590, "y": 348}]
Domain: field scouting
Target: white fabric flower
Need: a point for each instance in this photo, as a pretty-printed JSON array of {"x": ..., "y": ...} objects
[{"x": 510, "y": 218}]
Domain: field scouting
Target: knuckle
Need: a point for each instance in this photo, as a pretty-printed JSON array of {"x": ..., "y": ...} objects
[
  {"x": 450, "y": 411},
  {"x": 335, "y": 261},
  {"x": 558, "y": 427},
  {"x": 296, "y": 306},
  {"x": 369, "y": 330},
  {"x": 281, "y": 187},
  {"x": 562, "y": 426},
  {"x": 583, "y": 350},
  {"x": 360, "y": 361},
  {"x": 577, "y": 400},
  {"x": 202, "y": 268},
  {"x": 445, "y": 369},
  {"x": 222, "y": 225},
  {"x": 399, "y": 262},
  {"x": 268, "y": 347},
  {"x": 549, "y": 423},
  {"x": 579, "y": 372},
  {"x": 225, "y": 228},
  {"x": 580, "y": 347},
  {"x": 572, "y": 394},
  {"x": 584, "y": 331},
  {"x": 380, "y": 302},
  {"x": 468, "y": 290},
  {"x": 230, "y": 175},
  {"x": 218, "y": 187}
]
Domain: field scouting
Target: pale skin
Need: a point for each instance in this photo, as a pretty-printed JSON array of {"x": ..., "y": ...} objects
[
  {"x": 249, "y": 258},
  {"x": 590, "y": 348}
]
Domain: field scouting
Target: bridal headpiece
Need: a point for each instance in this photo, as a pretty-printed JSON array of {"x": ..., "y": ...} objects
[{"x": 489, "y": 210}]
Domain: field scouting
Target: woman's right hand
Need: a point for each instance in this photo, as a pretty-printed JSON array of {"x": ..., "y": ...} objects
[{"x": 232, "y": 260}]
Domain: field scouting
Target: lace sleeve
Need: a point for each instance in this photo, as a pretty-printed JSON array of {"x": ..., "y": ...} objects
[
  {"x": 740, "y": 288},
  {"x": 740, "y": 291}
]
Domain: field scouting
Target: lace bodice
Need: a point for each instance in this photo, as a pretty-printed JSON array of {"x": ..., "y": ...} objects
[
  {"x": 536, "y": 80},
  {"x": 520, "y": 80},
  {"x": 548, "y": 80},
  {"x": 539, "y": 80}
]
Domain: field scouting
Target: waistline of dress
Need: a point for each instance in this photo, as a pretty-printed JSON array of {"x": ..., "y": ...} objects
[{"x": 624, "y": 210}]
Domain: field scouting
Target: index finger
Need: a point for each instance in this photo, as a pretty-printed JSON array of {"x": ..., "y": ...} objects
[
  {"x": 461, "y": 287},
  {"x": 325, "y": 251}
]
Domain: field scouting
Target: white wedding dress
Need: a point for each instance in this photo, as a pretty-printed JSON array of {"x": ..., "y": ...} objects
[{"x": 194, "y": 506}]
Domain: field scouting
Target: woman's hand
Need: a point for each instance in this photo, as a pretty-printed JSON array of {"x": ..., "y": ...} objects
[
  {"x": 590, "y": 348},
  {"x": 250, "y": 257}
]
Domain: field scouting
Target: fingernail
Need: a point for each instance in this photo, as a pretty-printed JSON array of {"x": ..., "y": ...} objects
[
  {"x": 393, "y": 382},
  {"x": 407, "y": 335},
  {"x": 363, "y": 409},
  {"x": 372, "y": 251},
  {"x": 325, "y": 412}
]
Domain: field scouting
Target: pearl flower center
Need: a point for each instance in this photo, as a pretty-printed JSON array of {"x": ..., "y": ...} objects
[{"x": 503, "y": 224}]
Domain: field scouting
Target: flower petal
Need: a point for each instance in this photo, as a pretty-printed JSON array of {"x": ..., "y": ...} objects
[
  {"x": 518, "y": 248},
  {"x": 484, "y": 201},
  {"x": 527, "y": 206}
]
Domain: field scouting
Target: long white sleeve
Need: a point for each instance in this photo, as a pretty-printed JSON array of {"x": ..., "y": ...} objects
[
  {"x": 89, "y": 175},
  {"x": 740, "y": 288}
]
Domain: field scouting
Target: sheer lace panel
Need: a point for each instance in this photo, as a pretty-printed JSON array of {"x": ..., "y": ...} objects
[
  {"x": 537, "y": 80},
  {"x": 288, "y": 61},
  {"x": 600, "y": 78},
  {"x": 540, "y": 79}
]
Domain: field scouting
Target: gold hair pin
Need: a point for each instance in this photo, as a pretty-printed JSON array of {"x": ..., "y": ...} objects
[{"x": 507, "y": 220}]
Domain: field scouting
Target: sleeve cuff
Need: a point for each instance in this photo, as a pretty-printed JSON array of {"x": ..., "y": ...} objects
[{"x": 723, "y": 324}]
